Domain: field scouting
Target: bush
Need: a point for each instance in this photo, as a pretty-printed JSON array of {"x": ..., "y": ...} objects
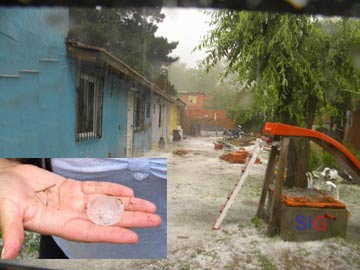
[{"x": 319, "y": 157}]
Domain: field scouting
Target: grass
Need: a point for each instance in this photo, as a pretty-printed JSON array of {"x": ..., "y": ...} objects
[
  {"x": 30, "y": 249},
  {"x": 265, "y": 262},
  {"x": 258, "y": 223}
]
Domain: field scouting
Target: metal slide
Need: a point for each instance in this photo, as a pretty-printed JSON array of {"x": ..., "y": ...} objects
[{"x": 339, "y": 152}]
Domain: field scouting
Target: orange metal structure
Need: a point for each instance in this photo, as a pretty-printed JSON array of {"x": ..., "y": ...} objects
[{"x": 340, "y": 153}]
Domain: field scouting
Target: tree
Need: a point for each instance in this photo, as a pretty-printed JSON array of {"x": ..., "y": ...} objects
[
  {"x": 291, "y": 63},
  {"x": 223, "y": 92},
  {"x": 127, "y": 33},
  {"x": 183, "y": 77}
]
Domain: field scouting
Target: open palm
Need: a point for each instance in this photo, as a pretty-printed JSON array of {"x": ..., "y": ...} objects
[{"x": 44, "y": 202}]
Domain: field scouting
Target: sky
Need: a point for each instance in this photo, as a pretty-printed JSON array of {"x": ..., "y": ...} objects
[{"x": 186, "y": 25}]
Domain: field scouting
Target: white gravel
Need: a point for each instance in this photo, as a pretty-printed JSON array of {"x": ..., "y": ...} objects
[{"x": 198, "y": 184}]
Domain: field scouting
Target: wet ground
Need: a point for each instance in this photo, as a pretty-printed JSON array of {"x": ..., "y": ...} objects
[{"x": 198, "y": 184}]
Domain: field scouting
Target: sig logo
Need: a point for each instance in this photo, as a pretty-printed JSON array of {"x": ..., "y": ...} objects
[{"x": 317, "y": 223}]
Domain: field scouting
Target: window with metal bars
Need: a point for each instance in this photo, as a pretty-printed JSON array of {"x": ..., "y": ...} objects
[
  {"x": 139, "y": 112},
  {"x": 89, "y": 107},
  {"x": 148, "y": 108},
  {"x": 160, "y": 112}
]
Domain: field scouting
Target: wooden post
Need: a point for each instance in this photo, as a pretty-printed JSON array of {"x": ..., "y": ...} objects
[
  {"x": 279, "y": 182},
  {"x": 269, "y": 175}
]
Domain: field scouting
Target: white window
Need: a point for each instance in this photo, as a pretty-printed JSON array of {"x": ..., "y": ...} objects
[{"x": 193, "y": 99}]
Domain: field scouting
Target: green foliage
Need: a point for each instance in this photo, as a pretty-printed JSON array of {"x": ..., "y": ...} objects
[
  {"x": 328, "y": 160},
  {"x": 30, "y": 249},
  {"x": 297, "y": 67},
  {"x": 315, "y": 160},
  {"x": 258, "y": 223},
  {"x": 127, "y": 33},
  {"x": 293, "y": 65},
  {"x": 319, "y": 157},
  {"x": 354, "y": 150},
  {"x": 31, "y": 246},
  {"x": 248, "y": 123}
]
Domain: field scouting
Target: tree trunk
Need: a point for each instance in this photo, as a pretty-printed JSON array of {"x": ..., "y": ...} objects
[
  {"x": 298, "y": 165},
  {"x": 299, "y": 149}
]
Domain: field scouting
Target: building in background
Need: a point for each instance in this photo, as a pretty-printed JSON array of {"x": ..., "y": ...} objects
[{"x": 198, "y": 117}]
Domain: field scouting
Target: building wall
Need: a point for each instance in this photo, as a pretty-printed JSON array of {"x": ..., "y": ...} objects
[
  {"x": 193, "y": 100},
  {"x": 37, "y": 85},
  {"x": 142, "y": 139},
  {"x": 35, "y": 82},
  {"x": 38, "y": 93},
  {"x": 161, "y": 131},
  {"x": 173, "y": 118},
  {"x": 197, "y": 116},
  {"x": 30, "y": 35},
  {"x": 114, "y": 120}
]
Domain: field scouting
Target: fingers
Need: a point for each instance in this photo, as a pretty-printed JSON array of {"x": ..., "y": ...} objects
[
  {"x": 138, "y": 214},
  {"x": 12, "y": 229},
  {"x": 85, "y": 231},
  {"x": 131, "y": 204},
  {"x": 139, "y": 220},
  {"x": 136, "y": 204},
  {"x": 90, "y": 187}
]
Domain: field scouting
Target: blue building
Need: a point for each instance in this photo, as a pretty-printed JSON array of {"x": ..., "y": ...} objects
[{"x": 62, "y": 98}]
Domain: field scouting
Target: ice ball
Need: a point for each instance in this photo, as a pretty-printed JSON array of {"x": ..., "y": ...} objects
[{"x": 105, "y": 210}]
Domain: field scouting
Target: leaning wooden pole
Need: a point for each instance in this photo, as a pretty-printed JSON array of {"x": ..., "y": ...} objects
[
  {"x": 279, "y": 183},
  {"x": 238, "y": 186}
]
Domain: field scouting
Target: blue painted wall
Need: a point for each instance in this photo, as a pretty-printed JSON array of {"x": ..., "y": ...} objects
[{"x": 38, "y": 106}]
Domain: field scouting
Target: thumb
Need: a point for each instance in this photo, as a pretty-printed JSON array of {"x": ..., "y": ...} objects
[{"x": 12, "y": 229}]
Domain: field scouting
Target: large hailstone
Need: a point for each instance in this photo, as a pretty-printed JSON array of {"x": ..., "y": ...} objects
[{"x": 105, "y": 210}]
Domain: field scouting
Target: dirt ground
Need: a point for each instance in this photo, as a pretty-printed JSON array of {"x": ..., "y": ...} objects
[{"x": 198, "y": 183}]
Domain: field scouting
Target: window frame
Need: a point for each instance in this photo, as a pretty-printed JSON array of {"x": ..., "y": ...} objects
[
  {"x": 148, "y": 109},
  {"x": 91, "y": 129},
  {"x": 160, "y": 115},
  {"x": 139, "y": 112}
]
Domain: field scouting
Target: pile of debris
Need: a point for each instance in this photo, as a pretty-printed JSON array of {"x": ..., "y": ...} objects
[
  {"x": 218, "y": 145},
  {"x": 239, "y": 156},
  {"x": 309, "y": 198},
  {"x": 180, "y": 152}
]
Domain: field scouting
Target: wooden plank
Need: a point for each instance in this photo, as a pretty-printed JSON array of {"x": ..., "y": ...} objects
[
  {"x": 279, "y": 182},
  {"x": 269, "y": 175},
  {"x": 82, "y": 54},
  {"x": 237, "y": 188}
]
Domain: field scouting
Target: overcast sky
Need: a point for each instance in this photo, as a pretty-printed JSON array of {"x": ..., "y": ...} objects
[{"x": 186, "y": 25}]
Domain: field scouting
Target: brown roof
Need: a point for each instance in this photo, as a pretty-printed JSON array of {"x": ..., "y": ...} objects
[{"x": 92, "y": 54}]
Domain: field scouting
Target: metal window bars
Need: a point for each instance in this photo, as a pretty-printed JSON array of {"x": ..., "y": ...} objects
[{"x": 89, "y": 106}]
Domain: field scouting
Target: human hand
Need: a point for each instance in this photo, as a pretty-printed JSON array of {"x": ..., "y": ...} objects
[{"x": 34, "y": 199}]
